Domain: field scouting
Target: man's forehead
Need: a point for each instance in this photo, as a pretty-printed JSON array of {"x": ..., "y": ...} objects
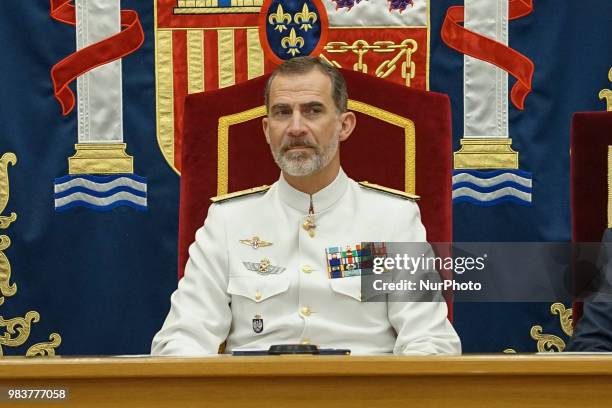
[{"x": 313, "y": 84}]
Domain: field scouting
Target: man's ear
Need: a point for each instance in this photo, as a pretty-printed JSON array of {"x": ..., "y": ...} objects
[
  {"x": 264, "y": 123},
  {"x": 347, "y": 123}
]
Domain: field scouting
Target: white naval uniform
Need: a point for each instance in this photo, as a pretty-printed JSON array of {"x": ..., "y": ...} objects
[{"x": 219, "y": 297}]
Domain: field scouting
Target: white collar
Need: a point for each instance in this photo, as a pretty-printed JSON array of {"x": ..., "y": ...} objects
[{"x": 321, "y": 200}]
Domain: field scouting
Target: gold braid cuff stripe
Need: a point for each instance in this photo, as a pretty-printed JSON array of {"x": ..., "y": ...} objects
[{"x": 409, "y": 140}]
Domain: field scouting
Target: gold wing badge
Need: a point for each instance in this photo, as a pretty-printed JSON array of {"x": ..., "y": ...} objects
[{"x": 255, "y": 242}]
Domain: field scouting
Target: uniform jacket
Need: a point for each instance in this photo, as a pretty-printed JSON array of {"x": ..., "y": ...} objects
[{"x": 223, "y": 296}]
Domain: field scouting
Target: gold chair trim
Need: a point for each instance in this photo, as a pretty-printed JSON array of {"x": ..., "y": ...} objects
[{"x": 409, "y": 140}]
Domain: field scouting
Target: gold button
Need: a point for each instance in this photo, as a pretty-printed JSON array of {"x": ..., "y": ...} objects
[
  {"x": 306, "y": 269},
  {"x": 257, "y": 295},
  {"x": 305, "y": 341},
  {"x": 306, "y": 311}
]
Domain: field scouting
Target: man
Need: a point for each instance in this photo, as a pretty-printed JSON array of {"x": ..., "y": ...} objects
[
  {"x": 263, "y": 270},
  {"x": 593, "y": 333}
]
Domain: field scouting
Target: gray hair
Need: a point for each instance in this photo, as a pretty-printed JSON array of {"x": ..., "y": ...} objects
[{"x": 303, "y": 65}]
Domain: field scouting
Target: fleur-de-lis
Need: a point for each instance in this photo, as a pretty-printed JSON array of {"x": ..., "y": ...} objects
[
  {"x": 304, "y": 18},
  {"x": 293, "y": 42},
  {"x": 279, "y": 19}
]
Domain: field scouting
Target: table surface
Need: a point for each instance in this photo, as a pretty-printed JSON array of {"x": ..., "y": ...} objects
[{"x": 555, "y": 364}]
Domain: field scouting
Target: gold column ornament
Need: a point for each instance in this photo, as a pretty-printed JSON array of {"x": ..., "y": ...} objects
[
  {"x": 100, "y": 158},
  {"x": 486, "y": 153},
  {"x": 607, "y": 93}
]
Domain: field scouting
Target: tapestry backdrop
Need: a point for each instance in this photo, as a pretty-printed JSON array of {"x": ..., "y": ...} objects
[{"x": 90, "y": 140}]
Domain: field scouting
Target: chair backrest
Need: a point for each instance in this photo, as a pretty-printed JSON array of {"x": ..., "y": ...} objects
[
  {"x": 591, "y": 167},
  {"x": 591, "y": 136},
  {"x": 402, "y": 140}
]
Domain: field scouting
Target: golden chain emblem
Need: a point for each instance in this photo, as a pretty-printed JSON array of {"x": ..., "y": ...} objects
[
  {"x": 304, "y": 18},
  {"x": 403, "y": 54},
  {"x": 279, "y": 19},
  {"x": 293, "y": 42}
]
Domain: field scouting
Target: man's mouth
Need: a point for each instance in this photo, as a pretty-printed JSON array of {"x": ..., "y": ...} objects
[{"x": 298, "y": 148}]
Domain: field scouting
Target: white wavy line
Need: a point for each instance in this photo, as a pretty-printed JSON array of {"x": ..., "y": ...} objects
[
  {"x": 92, "y": 185},
  {"x": 506, "y": 191},
  {"x": 101, "y": 201},
  {"x": 488, "y": 182}
]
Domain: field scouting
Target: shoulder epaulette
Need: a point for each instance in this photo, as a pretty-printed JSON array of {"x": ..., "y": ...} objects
[
  {"x": 241, "y": 193},
  {"x": 392, "y": 191}
]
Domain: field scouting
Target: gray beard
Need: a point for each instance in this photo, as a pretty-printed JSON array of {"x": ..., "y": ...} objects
[{"x": 300, "y": 164}]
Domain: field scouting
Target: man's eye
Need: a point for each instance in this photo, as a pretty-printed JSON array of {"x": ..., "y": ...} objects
[
  {"x": 314, "y": 110},
  {"x": 283, "y": 112}
]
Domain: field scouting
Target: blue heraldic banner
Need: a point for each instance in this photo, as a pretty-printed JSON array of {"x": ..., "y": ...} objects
[
  {"x": 94, "y": 278},
  {"x": 89, "y": 198}
]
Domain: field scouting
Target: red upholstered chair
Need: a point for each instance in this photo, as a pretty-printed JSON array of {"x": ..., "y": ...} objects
[
  {"x": 591, "y": 136},
  {"x": 402, "y": 140}
]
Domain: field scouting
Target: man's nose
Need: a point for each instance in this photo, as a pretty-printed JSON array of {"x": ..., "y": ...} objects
[{"x": 297, "y": 127}]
